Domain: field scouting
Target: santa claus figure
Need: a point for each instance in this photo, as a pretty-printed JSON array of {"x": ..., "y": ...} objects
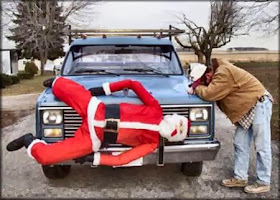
[{"x": 138, "y": 126}]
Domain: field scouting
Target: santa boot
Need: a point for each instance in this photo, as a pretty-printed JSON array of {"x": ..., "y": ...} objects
[
  {"x": 23, "y": 141},
  {"x": 83, "y": 159},
  {"x": 48, "y": 82}
]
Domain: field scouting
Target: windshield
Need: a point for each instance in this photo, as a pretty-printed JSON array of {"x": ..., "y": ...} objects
[{"x": 121, "y": 59}]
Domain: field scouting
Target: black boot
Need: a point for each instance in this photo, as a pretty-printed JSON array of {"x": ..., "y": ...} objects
[
  {"x": 83, "y": 159},
  {"x": 20, "y": 142},
  {"x": 48, "y": 82}
]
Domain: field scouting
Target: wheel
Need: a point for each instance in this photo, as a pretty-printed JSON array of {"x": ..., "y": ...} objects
[
  {"x": 192, "y": 169},
  {"x": 56, "y": 171}
]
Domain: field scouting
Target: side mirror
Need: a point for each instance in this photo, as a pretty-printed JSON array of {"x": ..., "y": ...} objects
[{"x": 56, "y": 70}]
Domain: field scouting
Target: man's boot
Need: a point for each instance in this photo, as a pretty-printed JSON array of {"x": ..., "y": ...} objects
[
  {"x": 48, "y": 82},
  {"x": 23, "y": 141}
]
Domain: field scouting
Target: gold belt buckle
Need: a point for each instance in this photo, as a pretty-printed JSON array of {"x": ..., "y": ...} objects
[{"x": 112, "y": 130}]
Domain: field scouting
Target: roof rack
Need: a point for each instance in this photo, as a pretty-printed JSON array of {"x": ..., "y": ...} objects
[{"x": 159, "y": 33}]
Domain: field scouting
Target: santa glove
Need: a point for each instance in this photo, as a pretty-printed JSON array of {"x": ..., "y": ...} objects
[
  {"x": 196, "y": 83},
  {"x": 48, "y": 82},
  {"x": 84, "y": 159},
  {"x": 97, "y": 91}
]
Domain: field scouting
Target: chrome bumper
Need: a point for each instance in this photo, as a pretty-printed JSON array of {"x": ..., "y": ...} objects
[
  {"x": 175, "y": 153},
  {"x": 185, "y": 153}
]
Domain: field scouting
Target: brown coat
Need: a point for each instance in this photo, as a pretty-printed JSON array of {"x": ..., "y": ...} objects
[{"x": 235, "y": 90}]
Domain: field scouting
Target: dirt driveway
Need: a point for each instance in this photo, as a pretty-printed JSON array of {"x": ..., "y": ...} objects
[
  {"x": 23, "y": 177},
  {"x": 16, "y": 107}
]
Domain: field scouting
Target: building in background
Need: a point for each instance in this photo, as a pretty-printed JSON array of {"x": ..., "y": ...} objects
[
  {"x": 9, "y": 61},
  {"x": 247, "y": 49}
]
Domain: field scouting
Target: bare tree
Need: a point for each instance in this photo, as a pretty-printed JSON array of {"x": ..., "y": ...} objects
[
  {"x": 264, "y": 16},
  {"x": 8, "y": 10},
  {"x": 77, "y": 13},
  {"x": 225, "y": 21}
]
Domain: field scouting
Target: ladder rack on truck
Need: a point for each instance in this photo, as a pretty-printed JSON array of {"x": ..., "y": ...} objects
[{"x": 162, "y": 33}]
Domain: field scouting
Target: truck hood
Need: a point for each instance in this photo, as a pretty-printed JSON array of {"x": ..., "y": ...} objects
[{"x": 167, "y": 90}]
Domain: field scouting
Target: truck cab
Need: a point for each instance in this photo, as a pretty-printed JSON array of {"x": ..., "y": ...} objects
[{"x": 154, "y": 62}]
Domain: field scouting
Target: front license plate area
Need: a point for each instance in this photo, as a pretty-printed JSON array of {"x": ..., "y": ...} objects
[{"x": 134, "y": 163}]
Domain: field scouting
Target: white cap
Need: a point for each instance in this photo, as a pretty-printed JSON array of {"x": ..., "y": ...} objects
[{"x": 196, "y": 70}]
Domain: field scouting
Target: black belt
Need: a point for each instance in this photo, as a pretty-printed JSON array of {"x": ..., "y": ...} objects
[{"x": 112, "y": 118}]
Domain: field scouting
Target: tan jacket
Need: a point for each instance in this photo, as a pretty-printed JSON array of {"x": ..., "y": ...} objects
[{"x": 235, "y": 90}]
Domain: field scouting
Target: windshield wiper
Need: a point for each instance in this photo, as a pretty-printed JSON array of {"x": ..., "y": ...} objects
[
  {"x": 145, "y": 70},
  {"x": 94, "y": 71}
]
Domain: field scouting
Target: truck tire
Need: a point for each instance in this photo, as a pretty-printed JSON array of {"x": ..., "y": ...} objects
[
  {"x": 192, "y": 169},
  {"x": 56, "y": 171}
]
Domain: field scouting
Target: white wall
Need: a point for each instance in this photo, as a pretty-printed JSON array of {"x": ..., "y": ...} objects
[
  {"x": 5, "y": 63},
  {"x": 49, "y": 65}
]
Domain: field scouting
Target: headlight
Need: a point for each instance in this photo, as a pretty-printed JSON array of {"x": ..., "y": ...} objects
[
  {"x": 53, "y": 132},
  {"x": 198, "y": 114},
  {"x": 198, "y": 130},
  {"x": 52, "y": 117}
]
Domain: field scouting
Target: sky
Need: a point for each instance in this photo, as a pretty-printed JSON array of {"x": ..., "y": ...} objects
[{"x": 159, "y": 14}]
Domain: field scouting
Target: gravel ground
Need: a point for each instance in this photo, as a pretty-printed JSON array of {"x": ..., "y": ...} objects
[
  {"x": 27, "y": 101},
  {"x": 23, "y": 177}
]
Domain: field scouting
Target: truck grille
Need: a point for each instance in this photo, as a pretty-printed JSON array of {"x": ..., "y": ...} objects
[{"x": 72, "y": 120}]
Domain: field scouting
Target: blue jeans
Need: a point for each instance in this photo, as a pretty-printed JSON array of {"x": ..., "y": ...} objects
[{"x": 261, "y": 135}]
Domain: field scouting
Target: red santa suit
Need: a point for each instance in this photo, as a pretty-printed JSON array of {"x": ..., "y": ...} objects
[{"x": 138, "y": 125}]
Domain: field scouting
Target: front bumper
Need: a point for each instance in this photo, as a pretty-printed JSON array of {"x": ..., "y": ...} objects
[{"x": 174, "y": 153}]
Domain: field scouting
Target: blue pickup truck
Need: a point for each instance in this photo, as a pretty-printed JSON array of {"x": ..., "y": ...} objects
[{"x": 154, "y": 62}]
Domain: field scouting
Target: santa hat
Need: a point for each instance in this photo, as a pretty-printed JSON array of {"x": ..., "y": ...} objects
[
  {"x": 174, "y": 127},
  {"x": 196, "y": 70}
]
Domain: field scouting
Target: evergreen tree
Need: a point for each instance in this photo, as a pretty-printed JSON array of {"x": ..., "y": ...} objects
[{"x": 39, "y": 30}]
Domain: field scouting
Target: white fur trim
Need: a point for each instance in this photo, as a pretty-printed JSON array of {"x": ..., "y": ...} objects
[
  {"x": 131, "y": 125},
  {"x": 106, "y": 88},
  {"x": 187, "y": 126},
  {"x": 29, "y": 148},
  {"x": 182, "y": 136},
  {"x": 139, "y": 125},
  {"x": 171, "y": 123},
  {"x": 92, "y": 107},
  {"x": 54, "y": 81},
  {"x": 96, "y": 158},
  {"x": 166, "y": 129},
  {"x": 197, "y": 70},
  {"x": 100, "y": 124}
]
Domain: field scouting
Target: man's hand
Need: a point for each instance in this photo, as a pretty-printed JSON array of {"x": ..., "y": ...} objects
[
  {"x": 191, "y": 91},
  {"x": 196, "y": 83}
]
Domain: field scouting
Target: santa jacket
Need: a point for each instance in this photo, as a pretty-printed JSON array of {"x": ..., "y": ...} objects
[{"x": 138, "y": 125}]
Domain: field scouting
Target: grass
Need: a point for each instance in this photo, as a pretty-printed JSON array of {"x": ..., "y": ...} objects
[
  {"x": 256, "y": 64},
  {"x": 26, "y": 86}
]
